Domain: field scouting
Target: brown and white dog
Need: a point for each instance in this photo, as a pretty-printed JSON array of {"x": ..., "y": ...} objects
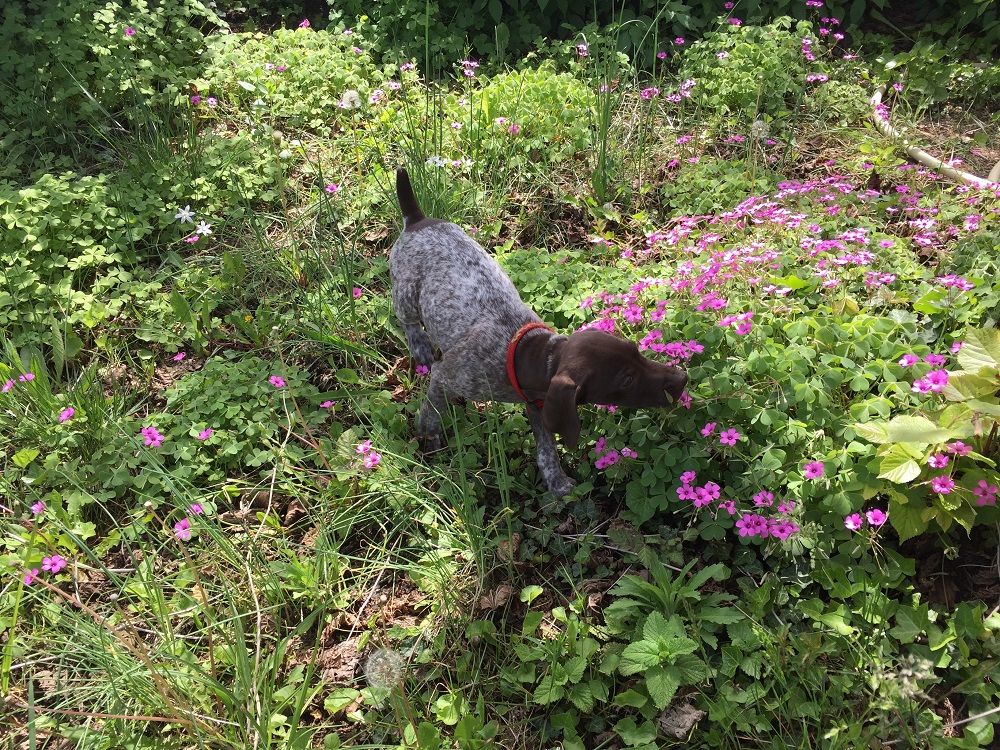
[{"x": 449, "y": 294}]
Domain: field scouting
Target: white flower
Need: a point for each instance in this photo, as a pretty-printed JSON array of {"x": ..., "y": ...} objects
[
  {"x": 436, "y": 161},
  {"x": 185, "y": 215},
  {"x": 385, "y": 669},
  {"x": 350, "y": 100},
  {"x": 203, "y": 228}
]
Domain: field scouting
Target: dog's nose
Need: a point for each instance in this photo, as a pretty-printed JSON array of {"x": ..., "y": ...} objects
[{"x": 676, "y": 383}]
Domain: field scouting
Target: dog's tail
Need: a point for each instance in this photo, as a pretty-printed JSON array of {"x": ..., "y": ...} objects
[{"x": 407, "y": 200}]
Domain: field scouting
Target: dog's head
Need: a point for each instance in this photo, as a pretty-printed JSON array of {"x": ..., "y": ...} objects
[{"x": 598, "y": 368}]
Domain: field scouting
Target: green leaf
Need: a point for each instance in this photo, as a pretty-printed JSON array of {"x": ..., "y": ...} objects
[
  {"x": 634, "y": 735},
  {"x": 906, "y": 518},
  {"x": 340, "y": 698},
  {"x": 835, "y": 617},
  {"x": 965, "y": 385},
  {"x": 984, "y": 407},
  {"x": 632, "y": 698},
  {"x": 910, "y": 623},
  {"x": 24, "y": 457},
  {"x": 898, "y": 466},
  {"x": 639, "y": 656},
  {"x": 548, "y": 691},
  {"x": 873, "y": 432},
  {"x": 530, "y": 593},
  {"x": 981, "y": 349},
  {"x": 913, "y": 429},
  {"x": 662, "y": 684}
]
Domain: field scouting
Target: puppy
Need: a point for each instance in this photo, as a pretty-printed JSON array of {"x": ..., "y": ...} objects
[{"x": 450, "y": 295}]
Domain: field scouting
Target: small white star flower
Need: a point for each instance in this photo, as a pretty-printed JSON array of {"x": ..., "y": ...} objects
[
  {"x": 185, "y": 215},
  {"x": 203, "y": 228}
]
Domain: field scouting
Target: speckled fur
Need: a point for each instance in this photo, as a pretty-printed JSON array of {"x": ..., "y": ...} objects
[{"x": 449, "y": 293}]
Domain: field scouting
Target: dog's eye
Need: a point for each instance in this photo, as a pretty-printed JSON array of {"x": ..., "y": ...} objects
[{"x": 627, "y": 380}]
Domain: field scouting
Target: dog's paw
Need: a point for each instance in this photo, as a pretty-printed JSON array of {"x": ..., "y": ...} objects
[
  {"x": 431, "y": 443},
  {"x": 561, "y": 485}
]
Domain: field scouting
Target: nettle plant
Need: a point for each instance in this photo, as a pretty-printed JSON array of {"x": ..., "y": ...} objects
[{"x": 939, "y": 459}]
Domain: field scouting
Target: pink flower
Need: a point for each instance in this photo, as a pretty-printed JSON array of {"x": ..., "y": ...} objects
[
  {"x": 195, "y": 99},
  {"x": 688, "y": 477},
  {"x": 679, "y": 41},
  {"x": 853, "y": 522},
  {"x": 212, "y": 101},
  {"x": 908, "y": 360},
  {"x": 326, "y": 404},
  {"x": 66, "y": 414},
  {"x": 876, "y": 516},
  {"x": 332, "y": 188},
  {"x": 38, "y": 508},
  {"x": 422, "y": 370},
  {"x": 786, "y": 507},
  {"x": 304, "y": 23},
  {"x": 7, "y": 386},
  {"x": 53, "y": 564},
  {"x": 729, "y": 437},
  {"x": 129, "y": 31},
  {"x": 356, "y": 292},
  {"x": 191, "y": 239},
  {"x": 763, "y": 499},
  {"x": 27, "y": 377},
  {"x": 608, "y": 459},
  {"x": 708, "y": 429},
  {"x": 729, "y": 506},
  {"x": 938, "y": 461},
  {"x": 30, "y": 576},
  {"x": 196, "y": 509},
  {"x": 956, "y": 347},
  {"x": 813, "y": 470},
  {"x": 179, "y": 357},
  {"x": 514, "y": 128},
  {"x": 205, "y": 434},
  {"x": 958, "y": 448},
  {"x": 943, "y": 485},
  {"x": 986, "y": 493},
  {"x": 372, "y": 460},
  {"x": 277, "y": 381},
  {"x": 649, "y": 93},
  {"x": 685, "y": 400},
  {"x": 629, "y": 453},
  {"x": 935, "y": 360},
  {"x": 661, "y": 55},
  {"x": 734, "y": 22},
  {"x": 151, "y": 436},
  {"x": 363, "y": 448},
  {"x": 581, "y": 50},
  {"x": 182, "y": 530}
]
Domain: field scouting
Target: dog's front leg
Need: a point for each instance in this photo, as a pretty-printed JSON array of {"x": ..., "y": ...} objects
[{"x": 549, "y": 465}]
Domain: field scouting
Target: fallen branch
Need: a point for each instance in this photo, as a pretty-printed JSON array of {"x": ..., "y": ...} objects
[{"x": 922, "y": 157}]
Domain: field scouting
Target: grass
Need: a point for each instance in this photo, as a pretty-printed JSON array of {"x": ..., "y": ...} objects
[{"x": 445, "y": 601}]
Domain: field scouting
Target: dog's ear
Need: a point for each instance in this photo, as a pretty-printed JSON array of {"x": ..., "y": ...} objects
[{"x": 559, "y": 412}]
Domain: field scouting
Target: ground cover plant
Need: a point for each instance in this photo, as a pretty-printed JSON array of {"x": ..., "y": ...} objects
[{"x": 216, "y": 528}]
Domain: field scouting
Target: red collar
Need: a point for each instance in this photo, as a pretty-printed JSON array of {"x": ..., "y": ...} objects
[{"x": 511, "y": 348}]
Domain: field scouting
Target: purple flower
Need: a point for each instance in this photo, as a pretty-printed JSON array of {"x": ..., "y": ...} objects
[
  {"x": 986, "y": 493},
  {"x": 876, "y": 516},
  {"x": 854, "y": 521},
  {"x": 813, "y": 470},
  {"x": 30, "y": 576},
  {"x": 326, "y": 404},
  {"x": 205, "y": 434},
  {"x": 38, "y": 508},
  {"x": 679, "y": 41},
  {"x": 196, "y": 509},
  {"x": 363, "y": 448},
  {"x": 195, "y": 100},
  {"x": 332, "y": 188},
  {"x": 66, "y": 414},
  {"x": 372, "y": 459},
  {"x": 688, "y": 477},
  {"x": 708, "y": 429},
  {"x": 151, "y": 436},
  {"x": 908, "y": 360},
  {"x": 943, "y": 485},
  {"x": 304, "y": 23},
  {"x": 129, "y": 31},
  {"x": 356, "y": 292},
  {"x": 182, "y": 530},
  {"x": 53, "y": 564},
  {"x": 581, "y": 50},
  {"x": 938, "y": 461},
  {"x": 179, "y": 357},
  {"x": 958, "y": 448},
  {"x": 277, "y": 381},
  {"x": 729, "y": 437}
]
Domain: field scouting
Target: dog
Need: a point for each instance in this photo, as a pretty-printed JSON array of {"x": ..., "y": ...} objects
[{"x": 450, "y": 295}]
